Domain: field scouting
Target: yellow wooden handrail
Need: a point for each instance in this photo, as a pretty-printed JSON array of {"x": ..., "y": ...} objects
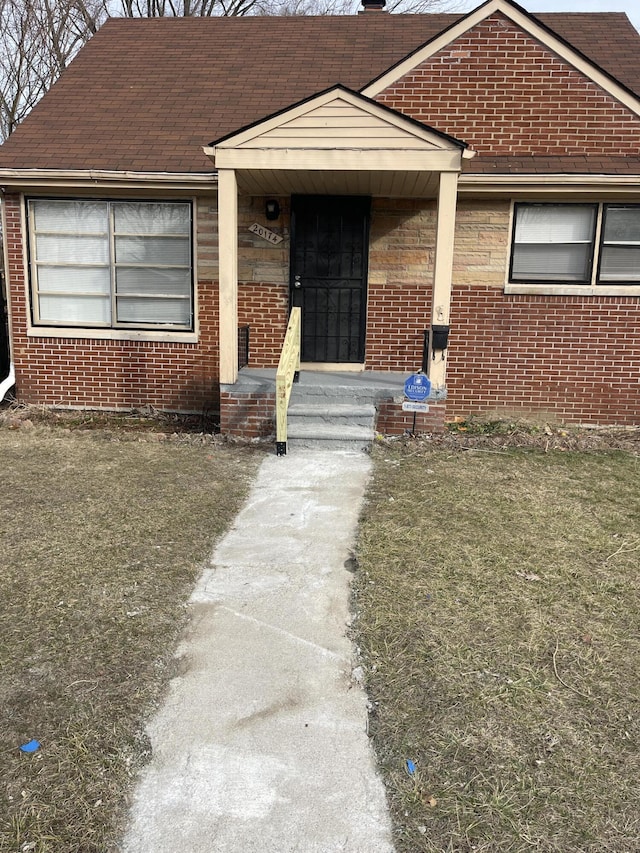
[{"x": 286, "y": 375}]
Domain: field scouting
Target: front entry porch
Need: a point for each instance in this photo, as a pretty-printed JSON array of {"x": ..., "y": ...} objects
[
  {"x": 327, "y": 408},
  {"x": 340, "y": 146}
]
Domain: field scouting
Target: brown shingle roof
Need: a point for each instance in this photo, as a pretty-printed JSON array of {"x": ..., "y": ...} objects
[
  {"x": 554, "y": 165},
  {"x": 146, "y": 95}
]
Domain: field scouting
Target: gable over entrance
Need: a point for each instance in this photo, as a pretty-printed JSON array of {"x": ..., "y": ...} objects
[
  {"x": 336, "y": 143},
  {"x": 342, "y": 143}
]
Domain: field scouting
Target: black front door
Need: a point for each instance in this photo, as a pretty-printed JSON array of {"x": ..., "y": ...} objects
[{"x": 329, "y": 248}]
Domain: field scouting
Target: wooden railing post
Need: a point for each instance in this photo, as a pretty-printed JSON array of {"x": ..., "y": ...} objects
[{"x": 288, "y": 372}]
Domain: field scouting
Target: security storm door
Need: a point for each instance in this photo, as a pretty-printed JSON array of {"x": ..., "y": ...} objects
[{"x": 329, "y": 248}]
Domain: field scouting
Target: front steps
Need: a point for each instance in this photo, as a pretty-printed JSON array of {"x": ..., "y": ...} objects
[
  {"x": 337, "y": 410},
  {"x": 334, "y": 425}
]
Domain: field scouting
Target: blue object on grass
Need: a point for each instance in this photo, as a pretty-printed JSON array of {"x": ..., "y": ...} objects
[
  {"x": 31, "y": 746},
  {"x": 411, "y": 767}
]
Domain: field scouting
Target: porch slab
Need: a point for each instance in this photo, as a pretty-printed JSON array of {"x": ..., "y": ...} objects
[
  {"x": 378, "y": 384},
  {"x": 248, "y": 406}
]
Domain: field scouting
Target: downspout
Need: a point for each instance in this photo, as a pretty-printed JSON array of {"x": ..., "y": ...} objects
[
  {"x": 7, "y": 384},
  {"x": 9, "y": 381}
]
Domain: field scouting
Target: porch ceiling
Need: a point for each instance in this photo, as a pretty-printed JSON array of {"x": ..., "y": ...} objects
[{"x": 283, "y": 182}]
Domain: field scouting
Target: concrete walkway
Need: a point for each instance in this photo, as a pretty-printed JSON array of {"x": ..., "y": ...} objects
[{"x": 261, "y": 743}]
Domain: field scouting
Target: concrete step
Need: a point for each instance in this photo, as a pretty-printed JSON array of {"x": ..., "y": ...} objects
[
  {"x": 314, "y": 433},
  {"x": 331, "y": 412},
  {"x": 342, "y": 395}
]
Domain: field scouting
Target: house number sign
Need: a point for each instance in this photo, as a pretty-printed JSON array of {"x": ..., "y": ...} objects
[{"x": 265, "y": 233}]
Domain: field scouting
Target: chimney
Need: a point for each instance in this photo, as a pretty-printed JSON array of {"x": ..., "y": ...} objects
[{"x": 372, "y": 6}]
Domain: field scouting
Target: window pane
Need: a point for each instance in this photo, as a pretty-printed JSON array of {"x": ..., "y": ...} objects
[
  {"x": 620, "y": 263},
  {"x": 551, "y": 263},
  {"x": 74, "y": 280},
  {"x": 75, "y": 309},
  {"x": 136, "y": 309},
  {"x": 72, "y": 248},
  {"x": 151, "y": 218},
  {"x": 153, "y": 282},
  {"x": 66, "y": 249},
  {"x": 72, "y": 217},
  {"x": 565, "y": 223},
  {"x": 622, "y": 224},
  {"x": 153, "y": 250}
]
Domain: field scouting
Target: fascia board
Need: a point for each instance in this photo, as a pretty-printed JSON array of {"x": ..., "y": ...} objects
[
  {"x": 606, "y": 185},
  {"x": 94, "y": 178},
  {"x": 340, "y": 160},
  {"x": 528, "y": 24}
]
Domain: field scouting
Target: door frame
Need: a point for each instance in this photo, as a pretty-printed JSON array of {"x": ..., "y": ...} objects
[{"x": 364, "y": 202}]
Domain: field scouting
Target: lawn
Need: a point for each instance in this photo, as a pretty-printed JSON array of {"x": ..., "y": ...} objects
[
  {"x": 102, "y": 536},
  {"x": 498, "y": 615}
]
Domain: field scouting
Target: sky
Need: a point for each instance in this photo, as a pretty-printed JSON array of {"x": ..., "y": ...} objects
[{"x": 631, "y": 7}]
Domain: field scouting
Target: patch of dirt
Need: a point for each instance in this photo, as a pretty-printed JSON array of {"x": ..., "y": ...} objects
[{"x": 502, "y": 434}]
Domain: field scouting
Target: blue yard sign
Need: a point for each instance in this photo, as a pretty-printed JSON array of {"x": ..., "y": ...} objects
[{"x": 417, "y": 387}]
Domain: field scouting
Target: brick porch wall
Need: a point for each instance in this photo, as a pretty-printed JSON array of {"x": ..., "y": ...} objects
[
  {"x": 247, "y": 415},
  {"x": 393, "y": 421}
]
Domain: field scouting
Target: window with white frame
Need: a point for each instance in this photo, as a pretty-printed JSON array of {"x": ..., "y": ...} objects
[
  {"x": 114, "y": 264},
  {"x": 575, "y": 244}
]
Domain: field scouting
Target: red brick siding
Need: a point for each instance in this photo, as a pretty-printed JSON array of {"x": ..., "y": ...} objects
[
  {"x": 264, "y": 308},
  {"x": 393, "y": 421},
  {"x": 575, "y": 357},
  {"x": 247, "y": 415},
  {"x": 400, "y": 276},
  {"x": 110, "y": 374},
  {"x": 502, "y": 92}
]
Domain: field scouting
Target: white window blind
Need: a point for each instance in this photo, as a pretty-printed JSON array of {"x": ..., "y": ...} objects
[
  {"x": 620, "y": 258},
  {"x": 101, "y": 263},
  {"x": 553, "y": 242}
]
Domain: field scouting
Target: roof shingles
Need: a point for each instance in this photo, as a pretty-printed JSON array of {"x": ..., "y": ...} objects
[{"x": 146, "y": 95}]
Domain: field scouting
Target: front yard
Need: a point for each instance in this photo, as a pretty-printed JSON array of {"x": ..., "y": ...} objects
[
  {"x": 499, "y": 608},
  {"x": 102, "y": 537}
]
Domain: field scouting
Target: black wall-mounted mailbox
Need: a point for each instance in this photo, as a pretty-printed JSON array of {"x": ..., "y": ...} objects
[{"x": 439, "y": 337}]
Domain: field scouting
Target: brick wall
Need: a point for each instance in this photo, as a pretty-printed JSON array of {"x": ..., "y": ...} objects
[
  {"x": 110, "y": 374},
  {"x": 575, "y": 357},
  {"x": 502, "y": 92},
  {"x": 263, "y": 281},
  {"x": 401, "y": 252}
]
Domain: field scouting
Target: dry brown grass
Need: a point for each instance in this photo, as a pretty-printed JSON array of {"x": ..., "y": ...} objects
[
  {"x": 498, "y": 610},
  {"x": 101, "y": 539}
]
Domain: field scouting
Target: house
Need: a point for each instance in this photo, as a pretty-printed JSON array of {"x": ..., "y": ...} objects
[{"x": 472, "y": 182}]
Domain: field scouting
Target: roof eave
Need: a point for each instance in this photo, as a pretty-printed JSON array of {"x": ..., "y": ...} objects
[{"x": 105, "y": 178}]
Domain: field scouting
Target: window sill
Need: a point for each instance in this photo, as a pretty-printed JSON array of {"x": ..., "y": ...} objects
[
  {"x": 573, "y": 289},
  {"x": 113, "y": 334}
]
